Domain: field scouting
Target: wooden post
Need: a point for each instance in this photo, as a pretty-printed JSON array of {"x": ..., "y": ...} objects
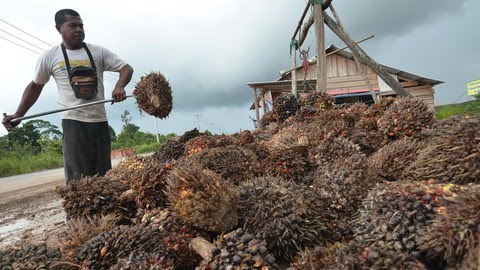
[
  {"x": 363, "y": 56},
  {"x": 257, "y": 113},
  {"x": 264, "y": 102},
  {"x": 321, "y": 58},
  {"x": 357, "y": 61},
  {"x": 293, "y": 54}
]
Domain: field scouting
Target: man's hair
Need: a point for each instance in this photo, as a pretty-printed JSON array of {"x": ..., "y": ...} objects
[{"x": 60, "y": 15}]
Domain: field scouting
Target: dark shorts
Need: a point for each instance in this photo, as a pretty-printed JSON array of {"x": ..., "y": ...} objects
[{"x": 86, "y": 149}]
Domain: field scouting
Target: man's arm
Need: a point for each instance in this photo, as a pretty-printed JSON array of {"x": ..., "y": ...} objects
[
  {"x": 29, "y": 97},
  {"x": 125, "y": 76}
]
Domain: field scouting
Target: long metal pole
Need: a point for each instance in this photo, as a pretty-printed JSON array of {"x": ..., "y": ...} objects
[{"x": 61, "y": 110}]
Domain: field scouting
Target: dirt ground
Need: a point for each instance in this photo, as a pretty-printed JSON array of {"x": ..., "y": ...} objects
[{"x": 30, "y": 209}]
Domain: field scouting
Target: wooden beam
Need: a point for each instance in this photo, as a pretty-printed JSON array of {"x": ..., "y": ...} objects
[
  {"x": 257, "y": 113},
  {"x": 321, "y": 57},
  {"x": 293, "y": 52},
  {"x": 363, "y": 57}
]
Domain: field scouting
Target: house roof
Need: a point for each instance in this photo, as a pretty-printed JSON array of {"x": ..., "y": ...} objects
[{"x": 332, "y": 49}]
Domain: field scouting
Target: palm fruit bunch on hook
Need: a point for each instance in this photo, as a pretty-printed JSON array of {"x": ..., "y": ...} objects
[
  {"x": 284, "y": 214},
  {"x": 154, "y": 95},
  {"x": 452, "y": 154},
  {"x": 202, "y": 197},
  {"x": 150, "y": 183},
  {"x": 95, "y": 196},
  {"x": 285, "y": 106},
  {"x": 406, "y": 117},
  {"x": 392, "y": 160},
  {"x": 239, "y": 250},
  {"x": 454, "y": 234},
  {"x": 394, "y": 214},
  {"x": 31, "y": 256}
]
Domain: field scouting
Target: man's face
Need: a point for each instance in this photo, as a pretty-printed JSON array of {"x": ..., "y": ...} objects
[{"x": 72, "y": 31}]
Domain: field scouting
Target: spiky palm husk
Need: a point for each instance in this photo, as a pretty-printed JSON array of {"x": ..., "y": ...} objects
[
  {"x": 268, "y": 118},
  {"x": 313, "y": 103},
  {"x": 95, "y": 196},
  {"x": 78, "y": 231},
  {"x": 245, "y": 137},
  {"x": 32, "y": 257},
  {"x": 353, "y": 256},
  {"x": 232, "y": 163},
  {"x": 154, "y": 95},
  {"x": 395, "y": 213},
  {"x": 225, "y": 140},
  {"x": 150, "y": 183},
  {"x": 188, "y": 135},
  {"x": 334, "y": 149},
  {"x": 239, "y": 250},
  {"x": 171, "y": 150},
  {"x": 104, "y": 250},
  {"x": 368, "y": 141},
  {"x": 126, "y": 170},
  {"x": 406, "y": 117},
  {"x": 453, "y": 153},
  {"x": 454, "y": 233},
  {"x": 285, "y": 106},
  {"x": 291, "y": 137},
  {"x": 284, "y": 214},
  {"x": 199, "y": 143},
  {"x": 290, "y": 164},
  {"x": 145, "y": 261},
  {"x": 340, "y": 188},
  {"x": 471, "y": 260},
  {"x": 392, "y": 160},
  {"x": 369, "y": 118},
  {"x": 353, "y": 113},
  {"x": 202, "y": 197}
]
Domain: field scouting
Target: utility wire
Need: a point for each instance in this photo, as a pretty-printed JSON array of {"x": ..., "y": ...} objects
[
  {"x": 12, "y": 35},
  {"x": 19, "y": 45},
  {"x": 25, "y": 32}
]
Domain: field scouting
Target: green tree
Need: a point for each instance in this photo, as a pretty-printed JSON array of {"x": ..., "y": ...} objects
[
  {"x": 126, "y": 118},
  {"x": 26, "y": 135},
  {"x": 113, "y": 135}
]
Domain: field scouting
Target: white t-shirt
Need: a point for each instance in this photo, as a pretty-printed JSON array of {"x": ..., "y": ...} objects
[{"x": 52, "y": 63}]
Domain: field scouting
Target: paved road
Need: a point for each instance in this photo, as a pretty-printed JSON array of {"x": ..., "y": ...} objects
[{"x": 21, "y": 186}]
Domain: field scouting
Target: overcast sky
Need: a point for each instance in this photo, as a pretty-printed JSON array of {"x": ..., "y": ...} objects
[{"x": 210, "y": 49}]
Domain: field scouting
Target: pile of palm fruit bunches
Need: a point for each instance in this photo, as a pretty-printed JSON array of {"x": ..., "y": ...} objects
[{"x": 317, "y": 186}]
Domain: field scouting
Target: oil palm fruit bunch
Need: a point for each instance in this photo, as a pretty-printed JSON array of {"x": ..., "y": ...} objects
[
  {"x": 284, "y": 214},
  {"x": 150, "y": 183},
  {"x": 188, "y": 135},
  {"x": 105, "y": 249},
  {"x": 202, "y": 197},
  {"x": 224, "y": 140},
  {"x": 287, "y": 163},
  {"x": 95, "y": 196},
  {"x": 31, "y": 257},
  {"x": 392, "y": 160},
  {"x": 199, "y": 143},
  {"x": 232, "y": 163},
  {"x": 239, "y": 250},
  {"x": 454, "y": 234},
  {"x": 314, "y": 103},
  {"x": 245, "y": 137},
  {"x": 291, "y": 137},
  {"x": 395, "y": 213},
  {"x": 333, "y": 149},
  {"x": 406, "y": 117},
  {"x": 154, "y": 95},
  {"x": 453, "y": 153},
  {"x": 368, "y": 141},
  {"x": 172, "y": 149},
  {"x": 285, "y": 106},
  {"x": 353, "y": 113},
  {"x": 145, "y": 261},
  {"x": 78, "y": 231},
  {"x": 318, "y": 257},
  {"x": 340, "y": 189},
  {"x": 368, "y": 120},
  {"x": 268, "y": 118},
  {"x": 125, "y": 170}
]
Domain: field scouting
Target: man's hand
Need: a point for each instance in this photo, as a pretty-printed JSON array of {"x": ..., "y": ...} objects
[
  {"x": 7, "y": 121},
  {"x": 119, "y": 94}
]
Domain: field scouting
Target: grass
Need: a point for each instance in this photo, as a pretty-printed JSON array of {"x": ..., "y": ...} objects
[
  {"x": 469, "y": 107},
  {"x": 29, "y": 163}
]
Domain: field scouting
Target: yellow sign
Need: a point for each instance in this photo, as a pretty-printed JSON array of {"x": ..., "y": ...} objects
[{"x": 473, "y": 87}]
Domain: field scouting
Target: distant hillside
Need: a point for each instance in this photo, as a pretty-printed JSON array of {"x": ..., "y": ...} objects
[{"x": 469, "y": 107}]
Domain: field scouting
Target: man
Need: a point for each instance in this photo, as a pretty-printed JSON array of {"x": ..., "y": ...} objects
[{"x": 86, "y": 139}]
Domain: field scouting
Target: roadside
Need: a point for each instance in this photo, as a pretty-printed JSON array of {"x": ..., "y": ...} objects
[{"x": 30, "y": 209}]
